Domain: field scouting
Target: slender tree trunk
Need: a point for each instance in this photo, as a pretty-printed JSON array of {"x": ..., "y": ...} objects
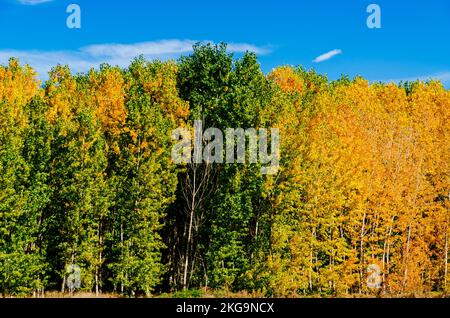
[
  {"x": 188, "y": 245},
  {"x": 386, "y": 255},
  {"x": 446, "y": 248},
  {"x": 189, "y": 235},
  {"x": 361, "y": 252},
  {"x": 121, "y": 251},
  {"x": 446, "y": 257},
  {"x": 405, "y": 273},
  {"x": 97, "y": 278},
  {"x": 311, "y": 260}
]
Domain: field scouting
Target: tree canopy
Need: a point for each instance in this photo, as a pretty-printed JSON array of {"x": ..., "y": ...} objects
[{"x": 87, "y": 179}]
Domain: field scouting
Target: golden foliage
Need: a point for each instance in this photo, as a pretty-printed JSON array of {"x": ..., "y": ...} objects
[
  {"x": 18, "y": 85},
  {"x": 365, "y": 181},
  {"x": 107, "y": 89},
  {"x": 287, "y": 79}
]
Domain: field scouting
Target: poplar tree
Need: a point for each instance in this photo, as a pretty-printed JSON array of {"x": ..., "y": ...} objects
[
  {"x": 146, "y": 176},
  {"x": 21, "y": 261},
  {"x": 79, "y": 191}
]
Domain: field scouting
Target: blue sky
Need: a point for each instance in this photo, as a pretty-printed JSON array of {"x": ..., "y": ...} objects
[{"x": 414, "y": 41}]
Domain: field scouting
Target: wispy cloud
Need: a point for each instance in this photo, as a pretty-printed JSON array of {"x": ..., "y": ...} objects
[
  {"x": 153, "y": 48},
  {"x": 444, "y": 77},
  {"x": 244, "y": 47},
  {"x": 32, "y": 2},
  {"x": 163, "y": 47},
  {"x": 92, "y": 56},
  {"x": 327, "y": 56}
]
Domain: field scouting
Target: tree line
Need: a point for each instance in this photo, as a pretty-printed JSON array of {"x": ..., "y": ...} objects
[{"x": 87, "y": 178}]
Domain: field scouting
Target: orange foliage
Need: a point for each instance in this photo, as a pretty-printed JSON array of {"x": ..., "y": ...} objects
[{"x": 287, "y": 79}]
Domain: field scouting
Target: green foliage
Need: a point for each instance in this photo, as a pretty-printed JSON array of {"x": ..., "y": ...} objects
[
  {"x": 146, "y": 177},
  {"x": 22, "y": 190},
  {"x": 87, "y": 179}
]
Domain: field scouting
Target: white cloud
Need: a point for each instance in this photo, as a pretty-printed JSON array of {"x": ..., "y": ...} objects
[
  {"x": 444, "y": 77},
  {"x": 327, "y": 56},
  {"x": 33, "y": 2},
  {"x": 43, "y": 61},
  {"x": 155, "y": 48},
  {"x": 243, "y": 47},
  {"x": 162, "y": 47},
  {"x": 92, "y": 56},
  {"x": 439, "y": 76}
]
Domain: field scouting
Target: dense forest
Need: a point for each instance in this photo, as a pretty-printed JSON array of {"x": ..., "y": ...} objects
[{"x": 87, "y": 179}]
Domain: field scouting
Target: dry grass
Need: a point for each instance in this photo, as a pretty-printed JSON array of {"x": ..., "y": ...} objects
[{"x": 208, "y": 293}]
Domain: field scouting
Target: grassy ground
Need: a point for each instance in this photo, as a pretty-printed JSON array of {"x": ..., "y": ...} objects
[{"x": 200, "y": 293}]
